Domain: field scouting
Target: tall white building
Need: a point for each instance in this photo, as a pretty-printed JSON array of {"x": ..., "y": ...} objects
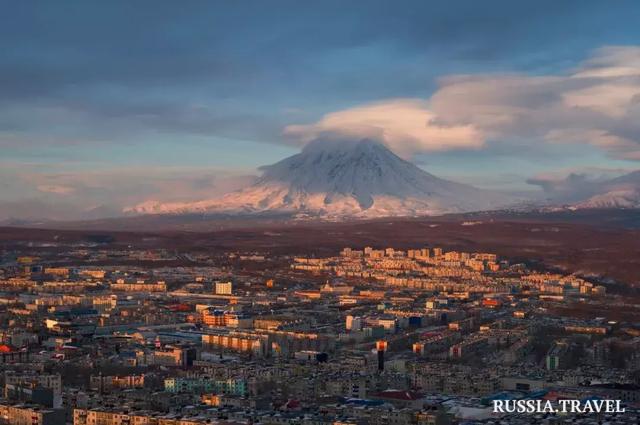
[{"x": 353, "y": 323}]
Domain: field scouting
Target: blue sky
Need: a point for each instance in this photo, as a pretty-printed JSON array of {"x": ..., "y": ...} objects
[{"x": 113, "y": 103}]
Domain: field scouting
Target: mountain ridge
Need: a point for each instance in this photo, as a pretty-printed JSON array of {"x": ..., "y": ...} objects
[{"x": 614, "y": 193}]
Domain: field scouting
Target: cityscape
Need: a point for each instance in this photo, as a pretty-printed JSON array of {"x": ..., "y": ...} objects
[
  {"x": 286, "y": 212},
  {"x": 101, "y": 332}
]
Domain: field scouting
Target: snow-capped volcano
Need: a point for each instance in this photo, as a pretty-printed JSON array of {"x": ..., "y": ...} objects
[{"x": 335, "y": 179}]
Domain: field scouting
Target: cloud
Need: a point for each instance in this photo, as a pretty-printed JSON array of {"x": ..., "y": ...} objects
[
  {"x": 248, "y": 65},
  {"x": 597, "y": 104},
  {"x": 405, "y": 125},
  {"x": 572, "y": 188},
  {"x": 57, "y": 189},
  {"x": 582, "y": 184}
]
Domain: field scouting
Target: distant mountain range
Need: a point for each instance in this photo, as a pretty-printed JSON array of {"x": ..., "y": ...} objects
[
  {"x": 333, "y": 179},
  {"x": 336, "y": 180},
  {"x": 578, "y": 192},
  {"x": 620, "y": 192}
]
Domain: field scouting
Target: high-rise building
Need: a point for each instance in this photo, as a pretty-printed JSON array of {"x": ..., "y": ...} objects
[
  {"x": 381, "y": 346},
  {"x": 353, "y": 323},
  {"x": 224, "y": 288},
  {"x": 557, "y": 356}
]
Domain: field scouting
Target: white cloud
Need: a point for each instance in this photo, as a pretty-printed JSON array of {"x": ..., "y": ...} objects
[
  {"x": 598, "y": 104},
  {"x": 405, "y": 125}
]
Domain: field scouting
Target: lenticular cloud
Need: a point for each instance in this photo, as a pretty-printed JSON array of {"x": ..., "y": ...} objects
[{"x": 597, "y": 103}]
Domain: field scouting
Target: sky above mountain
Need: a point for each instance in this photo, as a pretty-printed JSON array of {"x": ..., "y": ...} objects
[{"x": 106, "y": 104}]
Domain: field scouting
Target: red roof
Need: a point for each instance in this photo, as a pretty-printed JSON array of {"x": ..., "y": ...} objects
[
  {"x": 5, "y": 348},
  {"x": 491, "y": 302}
]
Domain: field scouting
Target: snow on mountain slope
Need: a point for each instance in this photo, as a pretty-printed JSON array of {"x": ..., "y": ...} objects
[
  {"x": 343, "y": 179},
  {"x": 621, "y": 192},
  {"x": 613, "y": 199}
]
